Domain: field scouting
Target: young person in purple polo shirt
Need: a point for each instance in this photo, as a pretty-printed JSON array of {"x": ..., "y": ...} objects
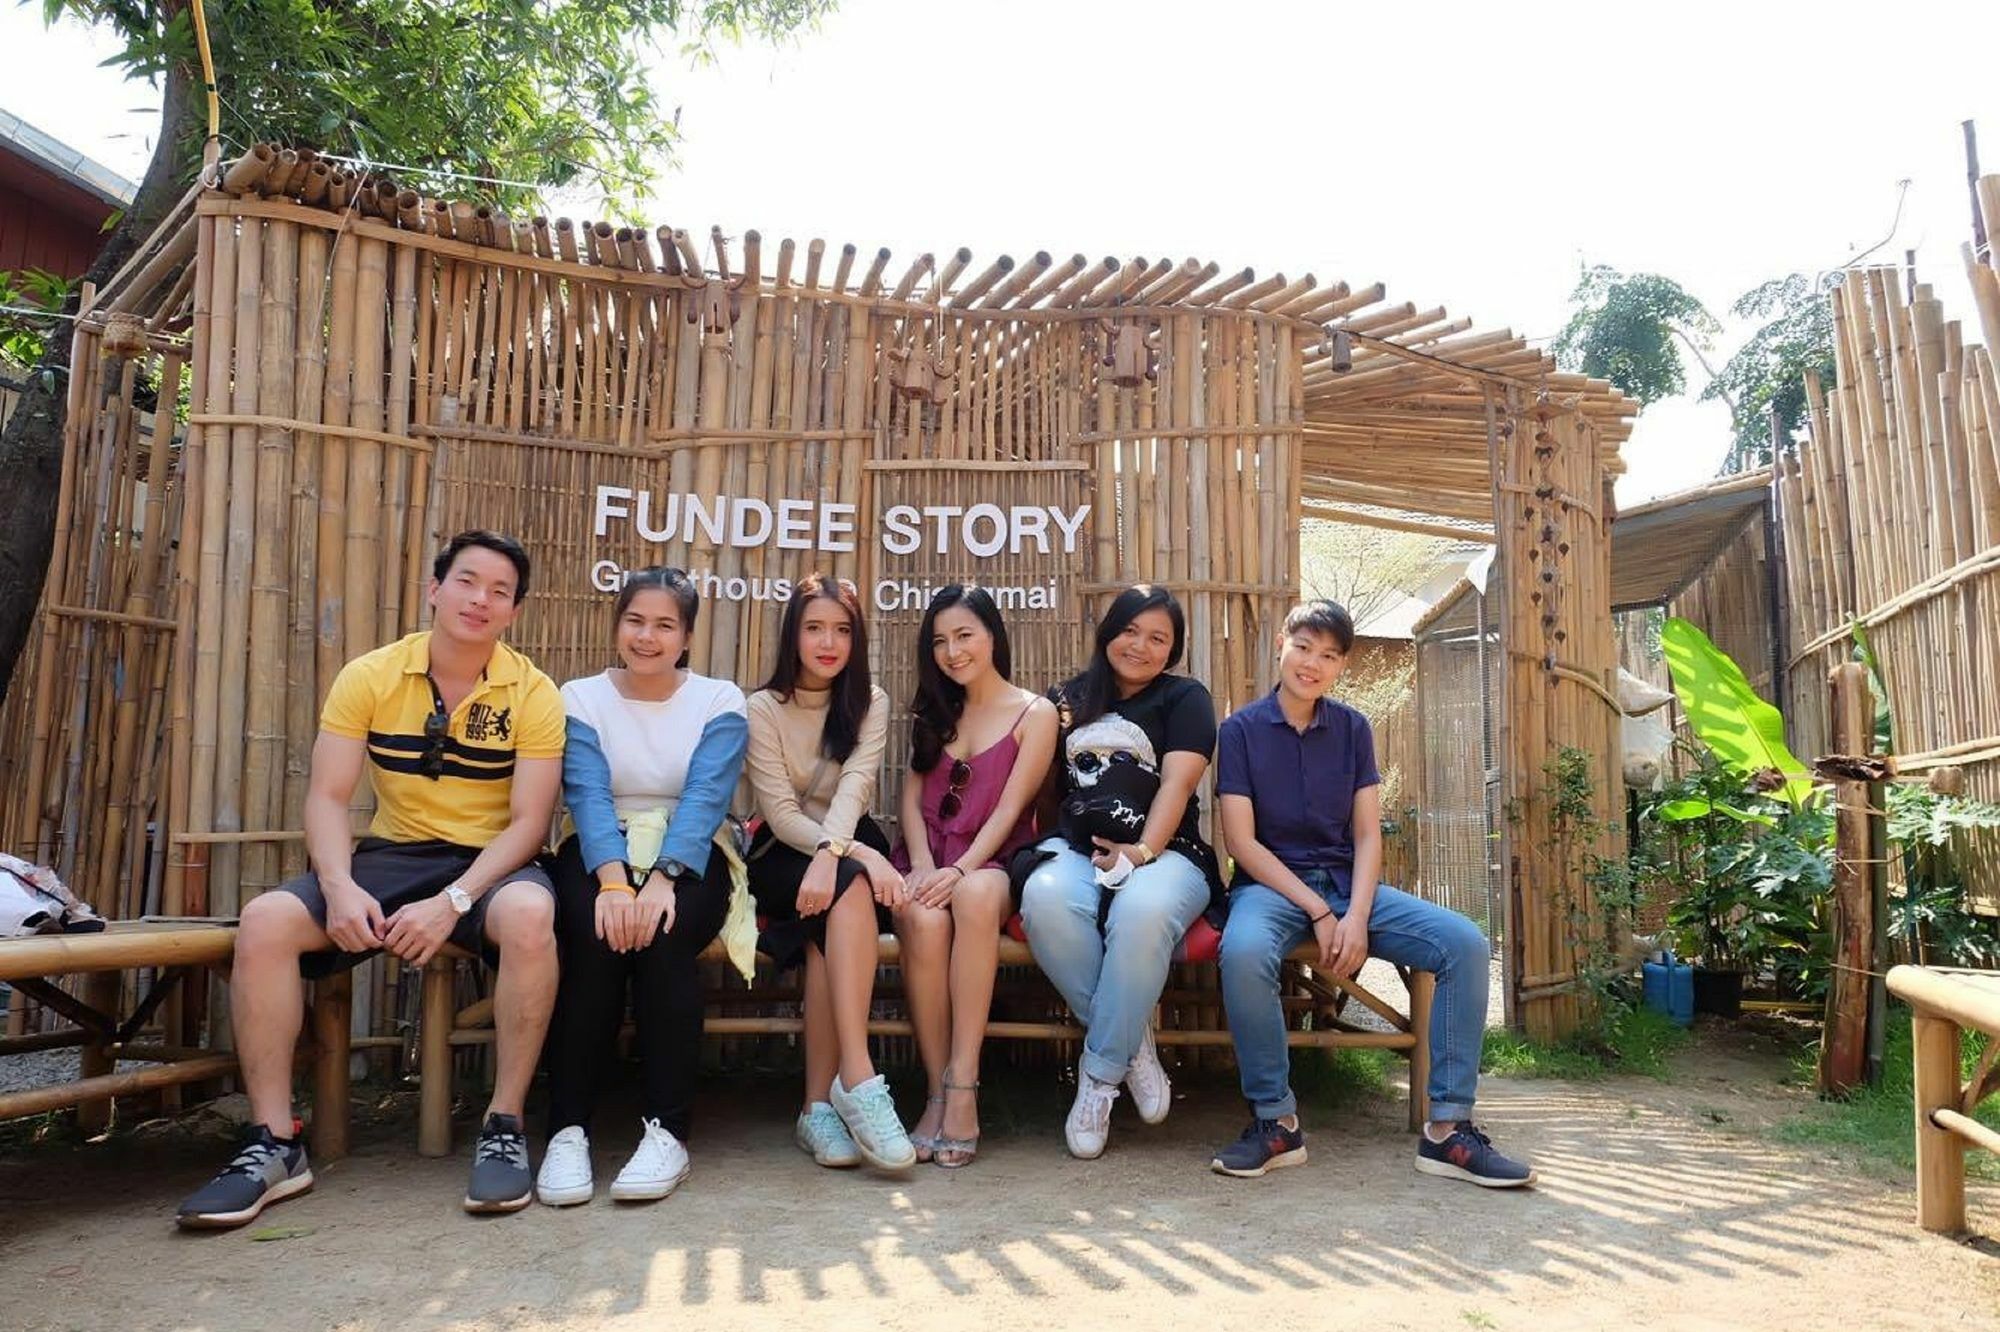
[{"x": 1301, "y": 809}]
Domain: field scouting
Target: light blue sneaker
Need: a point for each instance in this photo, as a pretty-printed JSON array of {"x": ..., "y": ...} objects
[
  {"x": 870, "y": 1116},
  {"x": 822, "y": 1136}
]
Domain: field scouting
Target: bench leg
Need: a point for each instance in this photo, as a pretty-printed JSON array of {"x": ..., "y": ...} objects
[
  {"x": 332, "y": 1018},
  {"x": 434, "y": 1061},
  {"x": 1423, "y": 993},
  {"x": 100, "y": 992},
  {"x": 1940, "y": 1152}
]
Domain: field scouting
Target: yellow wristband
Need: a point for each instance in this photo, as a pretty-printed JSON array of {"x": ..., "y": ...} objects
[{"x": 625, "y": 888}]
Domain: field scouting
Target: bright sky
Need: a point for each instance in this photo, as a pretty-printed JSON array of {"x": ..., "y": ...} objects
[{"x": 1468, "y": 155}]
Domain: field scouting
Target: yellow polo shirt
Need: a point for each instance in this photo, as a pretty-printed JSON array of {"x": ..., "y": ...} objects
[{"x": 383, "y": 698}]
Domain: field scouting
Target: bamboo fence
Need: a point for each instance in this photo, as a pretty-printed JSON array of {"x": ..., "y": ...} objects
[
  {"x": 1890, "y": 514},
  {"x": 367, "y": 371}
]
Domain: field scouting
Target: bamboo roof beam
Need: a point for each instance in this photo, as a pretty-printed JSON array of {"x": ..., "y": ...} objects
[
  {"x": 1286, "y": 295},
  {"x": 960, "y": 259},
  {"x": 844, "y": 268},
  {"x": 1052, "y": 280},
  {"x": 986, "y": 280},
  {"x": 1018, "y": 281},
  {"x": 871, "y": 281},
  {"x": 1070, "y": 292},
  {"x": 1215, "y": 291},
  {"x": 906, "y": 284},
  {"x": 1254, "y": 292}
]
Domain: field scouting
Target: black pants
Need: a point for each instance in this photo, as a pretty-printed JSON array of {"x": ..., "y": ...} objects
[
  {"x": 777, "y": 870},
  {"x": 665, "y": 980}
]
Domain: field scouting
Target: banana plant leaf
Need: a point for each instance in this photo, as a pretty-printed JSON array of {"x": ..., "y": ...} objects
[
  {"x": 1690, "y": 808},
  {"x": 1744, "y": 732}
]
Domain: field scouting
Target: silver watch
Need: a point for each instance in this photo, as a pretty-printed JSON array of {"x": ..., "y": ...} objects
[{"x": 461, "y": 901}]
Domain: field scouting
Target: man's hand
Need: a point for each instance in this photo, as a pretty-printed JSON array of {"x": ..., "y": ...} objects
[
  {"x": 816, "y": 889},
  {"x": 1348, "y": 949},
  {"x": 417, "y": 931},
  {"x": 353, "y": 917},
  {"x": 652, "y": 912}
]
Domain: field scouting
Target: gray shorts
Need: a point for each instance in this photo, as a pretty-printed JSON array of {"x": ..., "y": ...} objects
[{"x": 396, "y": 874}]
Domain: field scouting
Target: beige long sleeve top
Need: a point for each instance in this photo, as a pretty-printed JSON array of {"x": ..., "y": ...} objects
[{"x": 804, "y": 796}]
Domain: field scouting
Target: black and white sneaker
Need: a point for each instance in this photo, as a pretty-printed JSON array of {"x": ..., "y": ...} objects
[
  {"x": 267, "y": 1170},
  {"x": 501, "y": 1180}
]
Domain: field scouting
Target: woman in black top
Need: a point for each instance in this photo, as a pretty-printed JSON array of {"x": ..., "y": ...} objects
[{"x": 1128, "y": 872}]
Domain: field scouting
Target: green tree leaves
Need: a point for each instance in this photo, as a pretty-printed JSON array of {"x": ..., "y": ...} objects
[{"x": 538, "y": 92}]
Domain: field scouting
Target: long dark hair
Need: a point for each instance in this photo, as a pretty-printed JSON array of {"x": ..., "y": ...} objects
[
  {"x": 675, "y": 583},
  {"x": 1090, "y": 693},
  {"x": 852, "y": 691},
  {"x": 940, "y": 702}
]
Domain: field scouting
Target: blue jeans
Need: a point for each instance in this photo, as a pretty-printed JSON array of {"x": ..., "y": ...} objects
[
  {"x": 1111, "y": 978},
  {"x": 1264, "y": 925}
]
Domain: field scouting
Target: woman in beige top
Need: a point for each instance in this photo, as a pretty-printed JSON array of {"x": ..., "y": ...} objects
[{"x": 819, "y": 867}]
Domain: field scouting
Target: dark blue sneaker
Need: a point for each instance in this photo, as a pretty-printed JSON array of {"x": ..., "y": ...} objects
[
  {"x": 1470, "y": 1155},
  {"x": 267, "y": 1170},
  {"x": 1265, "y": 1145},
  {"x": 501, "y": 1181}
]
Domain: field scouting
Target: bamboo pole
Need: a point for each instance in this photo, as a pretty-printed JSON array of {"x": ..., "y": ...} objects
[{"x": 264, "y": 758}]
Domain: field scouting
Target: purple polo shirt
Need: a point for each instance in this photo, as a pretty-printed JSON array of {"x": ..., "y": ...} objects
[{"x": 1301, "y": 784}]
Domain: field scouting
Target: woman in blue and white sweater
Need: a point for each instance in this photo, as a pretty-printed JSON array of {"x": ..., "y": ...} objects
[{"x": 651, "y": 759}]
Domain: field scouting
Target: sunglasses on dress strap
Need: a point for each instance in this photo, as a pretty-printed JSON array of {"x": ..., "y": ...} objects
[{"x": 954, "y": 799}]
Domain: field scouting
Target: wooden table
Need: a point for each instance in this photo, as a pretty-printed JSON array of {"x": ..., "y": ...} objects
[
  {"x": 176, "y": 949},
  {"x": 1944, "y": 1003}
]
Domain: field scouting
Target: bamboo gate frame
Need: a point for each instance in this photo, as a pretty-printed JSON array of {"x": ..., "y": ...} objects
[
  {"x": 1890, "y": 516},
  {"x": 368, "y": 370}
]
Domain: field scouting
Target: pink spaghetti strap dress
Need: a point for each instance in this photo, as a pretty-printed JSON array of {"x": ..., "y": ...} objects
[{"x": 949, "y": 839}]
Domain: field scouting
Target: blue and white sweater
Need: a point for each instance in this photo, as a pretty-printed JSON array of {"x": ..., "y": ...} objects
[{"x": 624, "y": 756}]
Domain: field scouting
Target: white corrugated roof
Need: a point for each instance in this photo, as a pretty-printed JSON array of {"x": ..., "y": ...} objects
[{"x": 66, "y": 161}]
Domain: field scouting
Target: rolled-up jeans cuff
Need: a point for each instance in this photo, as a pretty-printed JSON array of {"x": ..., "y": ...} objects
[
  {"x": 1277, "y": 1109},
  {"x": 1440, "y": 1111},
  {"x": 1103, "y": 1069}
]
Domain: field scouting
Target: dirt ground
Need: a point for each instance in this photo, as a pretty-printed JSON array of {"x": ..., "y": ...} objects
[{"x": 1663, "y": 1205}]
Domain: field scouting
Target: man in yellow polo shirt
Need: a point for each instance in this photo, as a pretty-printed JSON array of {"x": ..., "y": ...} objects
[{"x": 462, "y": 738}]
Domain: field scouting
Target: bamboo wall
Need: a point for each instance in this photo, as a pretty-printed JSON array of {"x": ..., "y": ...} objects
[
  {"x": 1891, "y": 517},
  {"x": 367, "y": 372}
]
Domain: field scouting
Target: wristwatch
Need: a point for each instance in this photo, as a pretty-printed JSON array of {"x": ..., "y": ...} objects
[
  {"x": 673, "y": 869},
  {"x": 839, "y": 849},
  {"x": 461, "y": 901}
]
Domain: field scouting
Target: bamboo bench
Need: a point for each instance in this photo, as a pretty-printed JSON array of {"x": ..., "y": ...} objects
[
  {"x": 1943, "y": 1004},
  {"x": 175, "y": 949},
  {"x": 444, "y": 1028}
]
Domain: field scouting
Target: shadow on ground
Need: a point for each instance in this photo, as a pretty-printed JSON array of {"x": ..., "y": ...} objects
[{"x": 1647, "y": 1210}]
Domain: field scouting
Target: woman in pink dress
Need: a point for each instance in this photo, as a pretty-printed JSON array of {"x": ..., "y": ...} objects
[{"x": 979, "y": 747}]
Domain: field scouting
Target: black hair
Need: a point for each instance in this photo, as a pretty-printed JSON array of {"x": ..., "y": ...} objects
[
  {"x": 1322, "y": 617},
  {"x": 1091, "y": 692},
  {"x": 672, "y": 581},
  {"x": 939, "y": 701},
  {"x": 853, "y": 691},
  {"x": 515, "y": 552}
]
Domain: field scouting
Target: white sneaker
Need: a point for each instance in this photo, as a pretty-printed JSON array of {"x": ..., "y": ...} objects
[
  {"x": 870, "y": 1116},
  {"x": 1152, "y": 1094},
  {"x": 825, "y": 1138},
  {"x": 656, "y": 1167},
  {"x": 1089, "y": 1122},
  {"x": 565, "y": 1178}
]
